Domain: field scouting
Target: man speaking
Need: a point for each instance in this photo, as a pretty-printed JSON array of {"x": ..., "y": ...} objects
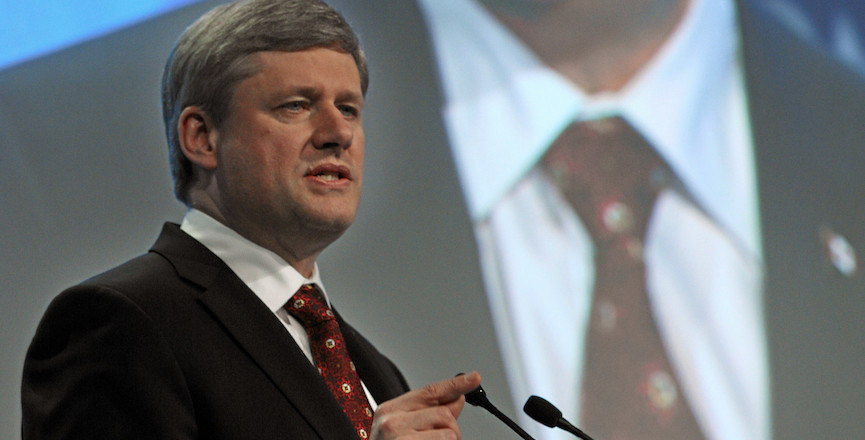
[{"x": 223, "y": 330}]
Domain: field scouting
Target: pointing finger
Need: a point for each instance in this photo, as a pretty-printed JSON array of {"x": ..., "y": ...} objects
[{"x": 439, "y": 393}]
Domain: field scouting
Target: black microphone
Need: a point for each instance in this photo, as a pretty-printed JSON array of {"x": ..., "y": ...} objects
[
  {"x": 547, "y": 414},
  {"x": 478, "y": 397}
]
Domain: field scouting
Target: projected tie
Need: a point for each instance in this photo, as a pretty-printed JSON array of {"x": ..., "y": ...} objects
[
  {"x": 611, "y": 177},
  {"x": 331, "y": 356}
]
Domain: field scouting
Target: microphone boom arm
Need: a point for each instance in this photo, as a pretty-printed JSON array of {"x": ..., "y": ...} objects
[{"x": 478, "y": 397}]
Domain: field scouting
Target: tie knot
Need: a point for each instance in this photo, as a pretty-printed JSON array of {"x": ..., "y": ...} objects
[
  {"x": 609, "y": 173},
  {"x": 309, "y": 307}
]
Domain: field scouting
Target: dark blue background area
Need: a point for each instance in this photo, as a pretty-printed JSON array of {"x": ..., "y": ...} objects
[{"x": 36, "y": 27}]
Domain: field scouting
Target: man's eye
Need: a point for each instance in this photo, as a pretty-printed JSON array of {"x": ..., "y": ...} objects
[
  {"x": 349, "y": 110},
  {"x": 294, "y": 105}
]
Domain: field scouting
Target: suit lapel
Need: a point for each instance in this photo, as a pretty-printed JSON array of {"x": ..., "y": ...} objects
[
  {"x": 256, "y": 331},
  {"x": 807, "y": 124}
]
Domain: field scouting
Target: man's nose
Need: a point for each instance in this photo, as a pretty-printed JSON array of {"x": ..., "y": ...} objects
[{"x": 332, "y": 129}]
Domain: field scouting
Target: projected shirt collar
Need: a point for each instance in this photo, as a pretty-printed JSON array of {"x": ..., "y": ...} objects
[{"x": 504, "y": 107}]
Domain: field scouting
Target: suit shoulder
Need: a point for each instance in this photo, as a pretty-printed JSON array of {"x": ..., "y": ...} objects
[
  {"x": 133, "y": 272},
  {"x": 96, "y": 345},
  {"x": 146, "y": 290},
  {"x": 147, "y": 278}
]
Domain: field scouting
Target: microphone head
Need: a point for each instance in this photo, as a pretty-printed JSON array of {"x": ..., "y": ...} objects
[
  {"x": 542, "y": 411},
  {"x": 477, "y": 397}
]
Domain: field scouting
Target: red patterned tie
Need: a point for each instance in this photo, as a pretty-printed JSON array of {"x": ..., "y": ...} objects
[
  {"x": 612, "y": 176},
  {"x": 331, "y": 356}
]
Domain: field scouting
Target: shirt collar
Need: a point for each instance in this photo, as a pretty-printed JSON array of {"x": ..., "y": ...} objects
[
  {"x": 504, "y": 107},
  {"x": 682, "y": 102},
  {"x": 271, "y": 279}
]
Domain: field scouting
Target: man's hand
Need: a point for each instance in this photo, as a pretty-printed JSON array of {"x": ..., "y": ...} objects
[{"x": 430, "y": 412}]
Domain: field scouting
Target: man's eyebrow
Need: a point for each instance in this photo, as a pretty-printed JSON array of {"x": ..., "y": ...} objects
[
  {"x": 305, "y": 91},
  {"x": 352, "y": 96},
  {"x": 314, "y": 92}
]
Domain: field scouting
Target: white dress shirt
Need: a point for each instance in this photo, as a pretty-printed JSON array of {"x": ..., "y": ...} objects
[
  {"x": 704, "y": 263},
  {"x": 272, "y": 280}
]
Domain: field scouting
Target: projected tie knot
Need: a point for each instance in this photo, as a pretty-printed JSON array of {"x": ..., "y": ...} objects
[
  {"x": 331, "y": 356},
  {"x": 611, "y": 176}
]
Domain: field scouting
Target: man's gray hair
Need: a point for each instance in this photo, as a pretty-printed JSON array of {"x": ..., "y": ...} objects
[{"x": 212, "y": 56}]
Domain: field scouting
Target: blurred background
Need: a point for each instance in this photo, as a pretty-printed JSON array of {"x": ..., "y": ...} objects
[{"x": 85, "y": 185}]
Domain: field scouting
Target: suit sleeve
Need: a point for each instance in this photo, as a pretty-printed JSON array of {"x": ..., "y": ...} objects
[{"x": 98, "y": 368}]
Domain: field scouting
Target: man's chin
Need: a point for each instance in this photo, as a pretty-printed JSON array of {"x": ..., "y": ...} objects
[{"x": 334, "y": 225}]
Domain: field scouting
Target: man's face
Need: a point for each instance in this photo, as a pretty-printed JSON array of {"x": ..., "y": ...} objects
[{"x": 290, "y": 152}]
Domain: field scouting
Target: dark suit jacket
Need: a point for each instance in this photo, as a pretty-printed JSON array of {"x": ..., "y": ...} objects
[
  {"x": 173, "y": 345},
  {"x": 808, "y": 121}
]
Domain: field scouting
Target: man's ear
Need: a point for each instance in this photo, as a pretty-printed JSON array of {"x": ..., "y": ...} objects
[{"x": 197, "y": 136}]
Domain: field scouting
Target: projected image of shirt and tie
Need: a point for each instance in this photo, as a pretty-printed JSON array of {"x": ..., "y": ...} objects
[{"x": 654, "y": 221}]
